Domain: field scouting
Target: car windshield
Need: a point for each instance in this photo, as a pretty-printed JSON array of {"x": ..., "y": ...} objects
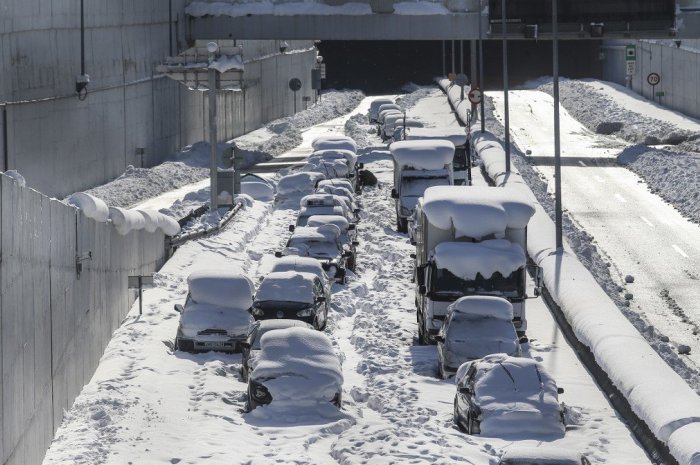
[
  {"x": 511, "y": 286},
  {"x": 280, "y": 305}
]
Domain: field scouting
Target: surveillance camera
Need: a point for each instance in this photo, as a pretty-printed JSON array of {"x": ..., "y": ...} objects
[
  {"x": 284, "y": 46},
  {"x": 212, "y": 47}
]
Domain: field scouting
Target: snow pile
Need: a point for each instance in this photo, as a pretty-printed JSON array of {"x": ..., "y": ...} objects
[
  {"x": 258, "y": 191},
  {"x": 298, "y": 364},
  {"x": 91, "y": 206},
  {"x": 14, "y": 174},
  {"x": 298, "y": 183},
  {"x": 516, "y": 396},
  {"x": 483, "y": 306},
  {"x": 467, "y": 259},
  {"x": 287, "y": 286},
  {"x": 220, "y": 287},
  {"x": 422, "y": 154},
  {"x": 225, "y": 63}
]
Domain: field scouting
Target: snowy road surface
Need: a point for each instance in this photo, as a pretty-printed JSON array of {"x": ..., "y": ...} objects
[
  {"x": 148, "y": 404},
  {"x": 641, "y": 235}
]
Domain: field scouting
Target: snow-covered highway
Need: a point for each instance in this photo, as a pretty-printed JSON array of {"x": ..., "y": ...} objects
[
  {"x": 149, "y": 404},
  {"x": 640, "y": 234}
]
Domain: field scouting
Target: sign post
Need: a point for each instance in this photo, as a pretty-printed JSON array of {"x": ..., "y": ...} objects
[
  {"x": 294, "y": 86},
  {"x": 630, "y": 63},
  {"x": 139, "y": 282},
  {"x": 653, "y": 79}
]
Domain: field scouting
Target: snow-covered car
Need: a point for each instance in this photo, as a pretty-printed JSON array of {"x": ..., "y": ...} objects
[
  {"x": 348, "y": 156},
  {"x": 341, "y": 191},
  {"x": 251, "y": 346},
  {"x": 390, "y": 122},
  {"x": 334, "y": 142},
  {"x": 303, "y": 265},
  {"x": 306, "y": 212},
  {"x": 292, "y": 295},
  {"x": 543, "y": 455},
  {"x": 296, "y": 366},
  {"x": 338, "y": 182},
  {"x": 329, "y": 168},
  {"x": 330, "y": 200},
  {"x": 374, "y": 108},
  {"x": 257, "y": 187},
  {"x": 216, "y": 314},
  {"x": 475, "y": 326},
  {"x": 398, "y": 133},
  {"x": 386, "y": 109},
  {"x": 504, "y": 396},
  {"x": 302, "y": 183},
  {"x": 348, "y": 234},
  {"x": 322, "y": 243}
]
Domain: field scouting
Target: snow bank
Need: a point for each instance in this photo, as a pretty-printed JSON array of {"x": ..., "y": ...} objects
[
  {"x": 299, "y": 264},
  {"x": 483, "y": 306},
  {"x": 466, "y": 259},
  {"x": 14, "y": 174},
  {"x": 223, "y": 288},
  {"x": 298, "y": 183},
  {"x": 683, "y": 444},
  {"x": 422, "y": 154},
  {"x": 298, "y": 364},
  {"x": 91, "y": 206},
  {"x": 287, "y": 286}
]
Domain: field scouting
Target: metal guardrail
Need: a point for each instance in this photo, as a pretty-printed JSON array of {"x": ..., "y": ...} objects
[{"x": 173, "y": 243}]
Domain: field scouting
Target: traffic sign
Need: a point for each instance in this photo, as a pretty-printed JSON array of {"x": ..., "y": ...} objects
[
  {"x": 631, "y": 67},
  {"x": 295, "y": 84},
  {"x": 474, "y": 96},
  {"x": 631, "y": 53},
  {"x": 653, "y": 79}
]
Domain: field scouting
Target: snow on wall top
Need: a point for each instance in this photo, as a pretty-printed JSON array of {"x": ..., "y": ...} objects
[
  {"x": 456, "y": 137},
  {"x": 91, "y": 206},
  {"x": 422, "y": 154},
  {"x": 223, "y": 288},
  {"x": 466, "y": 259},
  {"x": 483, "y": 306},
  {"x": 458, "y": 206},
  {"x": 289, "y": 286},
  {"x": 298, "y": 364}
]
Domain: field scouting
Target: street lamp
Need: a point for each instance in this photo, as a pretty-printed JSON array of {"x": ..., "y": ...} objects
[{"x": 213, "y": 48}]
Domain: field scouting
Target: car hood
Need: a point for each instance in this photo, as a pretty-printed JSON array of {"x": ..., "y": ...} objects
[
  {"x": 200, "y": 317},
  {"x": 521, "y": 421}
]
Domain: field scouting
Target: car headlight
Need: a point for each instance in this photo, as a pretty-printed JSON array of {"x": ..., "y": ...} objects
[
  {"x": 304, "y": 312},
  {"x": 258, "y": 312}
]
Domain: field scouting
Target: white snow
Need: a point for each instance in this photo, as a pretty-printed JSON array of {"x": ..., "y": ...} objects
[
  {"x": 683, "y": 444},
  {"x": 258, "y": 191},
  {"x": 456, "y": 136},
  {"x": 14, "y": 174},
  {"x": 334, "y": 143},
  {"x": 299, "y": 264},
  {"x": 328, "y": 154},
  {"x": 336, "y": 183},
  {"x": 298, "y": 364},
  {"x": 422, "y": 154},
  {"x": 483, "y": 306},
  {"x": 541, "y": 455},
  {"x": 319, "y": 220},
  {"x": 374, "y": 107},
  {"x": 198, "y": 317},
  {"x": 466, "y": 259},
  {"x": 91, "y": 206},
  {"x": 125, "y": 220},
  {"x": 214, "y": 286},
  {"x": 225, "y": 63},
  {"x": 286, "y": 286},
  {"x": 298, "y": 183}
]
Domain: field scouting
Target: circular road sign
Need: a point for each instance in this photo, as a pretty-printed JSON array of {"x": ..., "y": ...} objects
[
  {"x": 474, "y": 96},
  {"x": 653, "y": 79},
  {"x": 294, "y": 84}
]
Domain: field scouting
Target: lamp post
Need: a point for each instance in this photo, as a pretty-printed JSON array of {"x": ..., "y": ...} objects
[
  {"x": 212, "y": 48},
  {"x": 481, "y": 71},
  {"x": 505, "y": 86},
  {"x": 557, "y": 142}
]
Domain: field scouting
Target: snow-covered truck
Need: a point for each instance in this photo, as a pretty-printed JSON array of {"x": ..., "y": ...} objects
[
  {"x": 470, "y": 241},
  {"x": 458, "y": 136},
  {"x": 418, "y": 165}
]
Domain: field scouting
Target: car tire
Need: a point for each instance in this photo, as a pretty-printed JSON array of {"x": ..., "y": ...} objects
[
  {"x": 401, "y": 225},
  {"x": 472, "y": 427},
  {"x": 457, "y": 419},
  {"x": 423, "y": 338}
]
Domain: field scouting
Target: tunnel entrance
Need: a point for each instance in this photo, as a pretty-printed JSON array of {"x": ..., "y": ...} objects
[{"x": 381, "y": 67}]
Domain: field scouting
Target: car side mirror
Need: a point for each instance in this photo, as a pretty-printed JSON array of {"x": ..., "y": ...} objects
[
  {"x": 179, "y": 308},
  {"x": 352, "y": 227},
  {"x": 320, "y": 299},
  {"x": 560, "y": 390},
  {"x": 355, "y": 242},
  {"x": 278, "y": 254},
  {"x": 291, "y": 228},
  {"x": 439, "y": 338},
  {"x": 360, "y": 166},
  {"x": 465, "y": 390},
  {"x": 422, "y": 290},
  {"x": 394, "y": 194}
]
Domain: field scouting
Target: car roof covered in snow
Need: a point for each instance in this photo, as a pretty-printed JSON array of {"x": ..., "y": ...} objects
[
  {"x": 466, "y": 259},
  {"x": 334, "y": 142},
  {"x": 388, "y": 106},
  {"x": 289, "y": 286},
  {"x": 298, "y": 182},
  {"x": 497, "y": 208},
  {"x": 483, "y": 306},
  {"x": 223, "y": 288},
  {"x": 457, "y": 136},
  {"x": 422, "y": 154},
  {"x": 300, "y": 264},
  {"x": 319, "y": 220},
  {"x": 543, "y": 455},
  {"x": 327, "y": 232},
  {"x": 337, "y": 183},
  {"x": 298, "y": 363},
  {"x": 320, "y": 199}
]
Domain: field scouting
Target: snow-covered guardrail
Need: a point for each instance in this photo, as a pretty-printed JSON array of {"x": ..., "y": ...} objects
[{"x": 656, "y": 394}]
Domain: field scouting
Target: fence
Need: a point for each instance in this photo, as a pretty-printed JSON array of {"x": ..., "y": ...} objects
[{"x": 54, "y": 321}]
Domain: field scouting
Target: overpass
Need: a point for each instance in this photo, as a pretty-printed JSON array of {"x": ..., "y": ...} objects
[{"x": 441, "y": 19}]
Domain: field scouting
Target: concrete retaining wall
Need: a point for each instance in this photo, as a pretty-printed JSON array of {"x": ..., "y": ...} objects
[
  {"x": 62, "y": 144},
  {"x": 679, "y": 68},
  {"x": 54, "y": 323}
]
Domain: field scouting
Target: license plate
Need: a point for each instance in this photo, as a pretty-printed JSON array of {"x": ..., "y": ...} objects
[{"x": 216, "y": 344}]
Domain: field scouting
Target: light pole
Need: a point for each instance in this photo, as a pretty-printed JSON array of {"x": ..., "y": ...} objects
[
  {"x": 505, "y": 86},
  {"x": 481, "y": 71},
  {"x": 557, "y": 142},
  {"x": 212, "y": 48}
]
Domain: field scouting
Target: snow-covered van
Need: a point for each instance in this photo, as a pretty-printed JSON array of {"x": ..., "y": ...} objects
[
  {"x": 418, "y": 165},
  {"x": 458, "y": 136},
  {"x": 374, "y": 108},
  {"x": 322, "y": 243},
  {"x": 470, "y": 241}
]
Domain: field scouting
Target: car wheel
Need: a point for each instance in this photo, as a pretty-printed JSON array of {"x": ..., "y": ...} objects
[
  {"x": 472, "y": 426},
  {"x": 401, "y": 225},
  {"x": 423, "y": 338},
  {"x": 457, "y": 418}
]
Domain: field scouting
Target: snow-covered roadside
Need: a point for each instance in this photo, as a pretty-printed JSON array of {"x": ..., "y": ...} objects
[
  {"x": 192, "y": 163},
  {"x": 634, "y": 367},
  {"x": 679, "y": 181}
]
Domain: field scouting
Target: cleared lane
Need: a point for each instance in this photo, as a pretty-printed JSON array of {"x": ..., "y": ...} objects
[{"x": 642, "y": 235}]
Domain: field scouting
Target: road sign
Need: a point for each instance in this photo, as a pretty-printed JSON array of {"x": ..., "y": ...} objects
[
  {"x": 631, "y": 53},
  {"x": 653, "y": 79},
  {"x": 661, "y": 93},
  {"x": 295, "y": 84},
  {"x": 631, "y": 67},
  {"x": 474, "y": 96}
]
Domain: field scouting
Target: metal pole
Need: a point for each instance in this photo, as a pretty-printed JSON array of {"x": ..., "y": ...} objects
[
  {"x": 140, "y": 296},
  {"x": 472, "y": 73},
  {"x": 557, "y": 146},
  {"x": 452, "y": 56},
  {"x": 444, "y": 59},
  {"x": 213, "y": 165},
  {"x": 461, "y": 68},
  {"x": 481, "y": 72},
  {"x": 505, "y": 86}
]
